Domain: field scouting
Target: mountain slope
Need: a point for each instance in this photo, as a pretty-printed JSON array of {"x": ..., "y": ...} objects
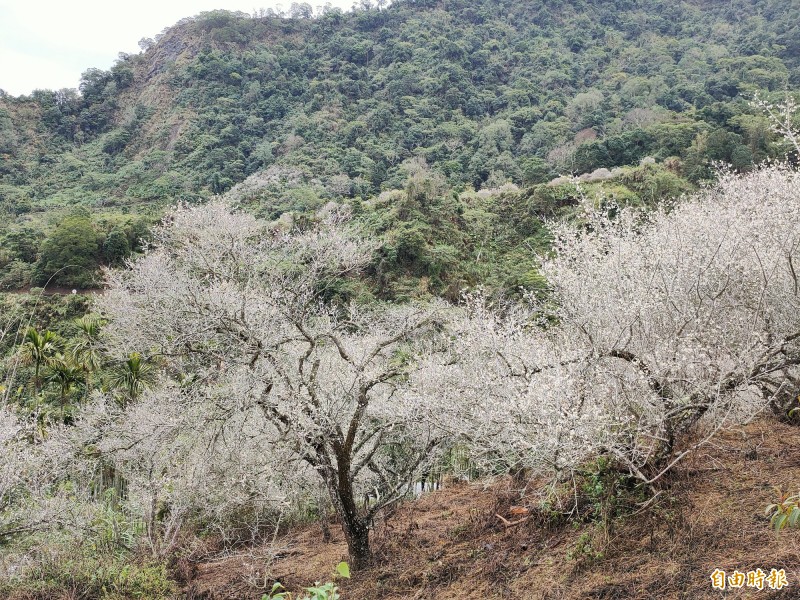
[
  {"x": 452, "y": 545},
  {"x": 484, "y": 91}
]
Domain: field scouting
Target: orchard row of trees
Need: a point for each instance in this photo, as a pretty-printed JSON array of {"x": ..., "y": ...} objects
[{"x": 274, "y": 384}]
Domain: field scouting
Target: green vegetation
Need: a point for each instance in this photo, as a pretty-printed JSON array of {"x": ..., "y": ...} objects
[
  {"x": 290, "y": 113},
  {"x": 61, "y": 371},
  {"x": 785, "y": 511},
  {"x": 96, "y": 576},
  {"x": 67, "y": 247},
  {"x": 319, "y": 591},
  {"x": 451, "y": 135}
]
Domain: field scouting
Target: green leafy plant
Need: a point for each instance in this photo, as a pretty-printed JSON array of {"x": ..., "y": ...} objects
[
  {"x": 133, "y": 376},
  {"x": 608, "y": 492},
  {"x": 794, "y": 413},
  {"x": 785, "y": 512},
  {"x": 37, "y": 349},
  {"x": 584, "y": 550},
  {"x": 324, "y": 591}
]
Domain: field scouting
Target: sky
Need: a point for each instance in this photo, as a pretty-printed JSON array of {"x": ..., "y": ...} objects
[{"x": 47, "y": 44}]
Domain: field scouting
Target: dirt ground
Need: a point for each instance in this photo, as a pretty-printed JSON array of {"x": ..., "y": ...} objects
[{"x": 451, "y": 544}]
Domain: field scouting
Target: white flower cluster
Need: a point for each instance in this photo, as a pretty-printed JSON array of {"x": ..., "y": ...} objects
[
  {"x": 680, "y": 319},
  {"x": 683, "y": 319}
]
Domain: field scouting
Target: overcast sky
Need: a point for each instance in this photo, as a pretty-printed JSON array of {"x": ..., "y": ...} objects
[{"x": 49, "y": 43}]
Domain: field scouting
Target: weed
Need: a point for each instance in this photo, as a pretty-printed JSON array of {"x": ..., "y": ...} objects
[
  {"x": 785, "y": 512},
  {"x": 319, "y": 591},
  {"x": 608, "y": 493},
  {"x": 584, "y": 550},
  {"x": 94, "y": 577}
]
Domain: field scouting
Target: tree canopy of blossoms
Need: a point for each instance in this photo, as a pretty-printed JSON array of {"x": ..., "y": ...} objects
[
  {"x": 681, "y": 320},
  {"x": 660, "y": 329},
  {"x": 266, "y": 377}
]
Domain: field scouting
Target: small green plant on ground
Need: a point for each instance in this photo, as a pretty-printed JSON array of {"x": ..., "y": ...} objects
[
  {"x": 608, "y": 492},
  {"x": 324, "y": 591},
  {"x": 794, "y": 413},
  {"x": 584, "y": 550},
  {"x": 785, "y": 512}
]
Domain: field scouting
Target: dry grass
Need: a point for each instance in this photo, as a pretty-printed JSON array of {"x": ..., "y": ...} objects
[{"x": 451, "y": 545}]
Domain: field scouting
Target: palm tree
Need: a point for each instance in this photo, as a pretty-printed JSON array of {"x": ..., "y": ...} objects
[
  {"x": 65, "y": 373},
  {"x": 38, "y": 348},
  {"x": 85, "y": 349},
  {"x": 134, "y": 375}
]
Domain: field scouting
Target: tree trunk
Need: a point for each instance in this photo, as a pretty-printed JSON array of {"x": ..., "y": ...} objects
[
  {"x": 87, "y": 382},
  {"x": 324, "y": 515},
  {"x": 325, "y": 525},
  {"x": 357, "y": 535},
  {"x": 354, "y": 526}
]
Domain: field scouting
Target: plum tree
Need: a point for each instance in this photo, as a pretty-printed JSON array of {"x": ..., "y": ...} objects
[
  {"x": 259, "y": 354},
  {"x": 685, "y": 318}
]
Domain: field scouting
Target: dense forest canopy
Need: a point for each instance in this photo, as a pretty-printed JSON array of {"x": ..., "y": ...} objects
[
  {"x": 287, "y": 114},
  {"x": 484, "y": 92}
]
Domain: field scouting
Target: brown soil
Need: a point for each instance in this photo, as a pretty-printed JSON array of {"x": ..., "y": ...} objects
[{"x": 451, "y": 544}]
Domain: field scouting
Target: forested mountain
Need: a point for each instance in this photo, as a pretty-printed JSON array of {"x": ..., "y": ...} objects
[
  {"x": 549, "y": 246},
  {"x": 344, "y": 106},
  {"x": 484, "y": 91},
  {"x": 287, "y": 112}
]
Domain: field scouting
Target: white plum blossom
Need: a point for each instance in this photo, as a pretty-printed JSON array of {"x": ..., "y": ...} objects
[
  {"x": 267, "y": 381},
  {"x": 683, "y": 319}
]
